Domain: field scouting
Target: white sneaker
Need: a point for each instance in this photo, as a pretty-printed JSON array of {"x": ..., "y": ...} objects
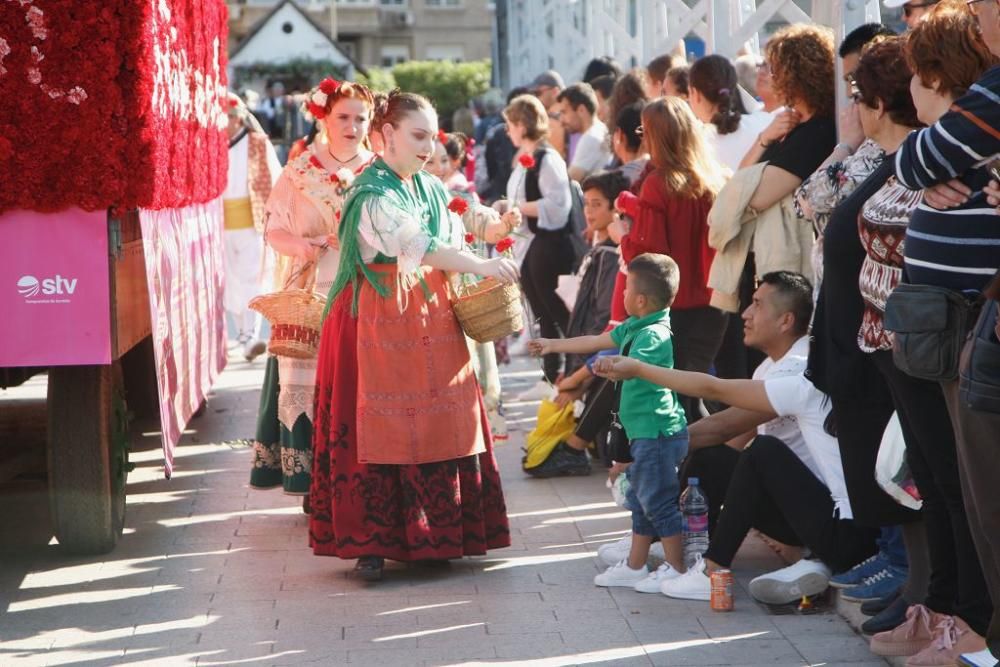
[
  {"x": 692, "y": 585},
  {"x": 253, "y": 348},
  {"x": 652, "y": 583},
  {"x": 789, "y": 584},
  {"x": 978, "y": 659},
  {"x": 611, "y": 554},
  {"x": 621, "y": 575},
  {"x": 541, "y": 390}
]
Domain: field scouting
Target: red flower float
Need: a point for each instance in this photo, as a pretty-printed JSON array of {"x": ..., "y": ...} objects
[{"x": 458, "y": 205}]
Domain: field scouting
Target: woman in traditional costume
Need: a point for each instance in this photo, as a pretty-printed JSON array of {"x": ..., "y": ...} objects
[
  {"x": 403, "y": 457},
  {"x": 302, "y": 213}
]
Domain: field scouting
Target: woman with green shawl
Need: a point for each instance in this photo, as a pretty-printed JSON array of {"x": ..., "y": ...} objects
[{"x": 403, "y": 462}]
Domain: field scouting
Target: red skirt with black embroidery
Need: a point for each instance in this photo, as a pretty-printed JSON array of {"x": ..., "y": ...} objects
[{"x": 441, "y": 510}]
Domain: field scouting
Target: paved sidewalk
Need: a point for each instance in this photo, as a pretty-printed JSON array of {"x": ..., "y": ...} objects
[{"x": 210, "y": 572}]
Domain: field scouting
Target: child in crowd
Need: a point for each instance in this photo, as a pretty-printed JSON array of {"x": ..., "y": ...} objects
[
  {"x": 653, "y": 420},
  {"x": 589, "y": 316},
  {"x": 448, "y": 164}
]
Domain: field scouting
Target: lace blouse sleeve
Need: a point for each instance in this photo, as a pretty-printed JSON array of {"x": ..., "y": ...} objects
[{"x": 392, "y": 231}]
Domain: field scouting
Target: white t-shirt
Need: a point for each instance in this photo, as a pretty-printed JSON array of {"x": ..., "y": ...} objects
[
  {"x": 786, "y": 428},
  {"x": 593, "y": 151},
  {"x": 236, "y": 182},
  {"x": 795, "y": 396},
  {"x": 730, "y": 148}
]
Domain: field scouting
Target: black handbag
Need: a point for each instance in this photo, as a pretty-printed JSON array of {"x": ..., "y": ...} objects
[
  {"x": 618, "y": 442},
  {"x": 979, "y": 380},
  {"x": 930, "y": 325}
]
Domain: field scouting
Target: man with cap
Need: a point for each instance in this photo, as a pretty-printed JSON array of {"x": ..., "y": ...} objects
[
  {"x": 913, "y": 12},
  {"x": 546, "y": 87}
]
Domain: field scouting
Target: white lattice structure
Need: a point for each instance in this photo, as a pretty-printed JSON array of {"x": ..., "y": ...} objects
[{"x": 564, "y": 35}]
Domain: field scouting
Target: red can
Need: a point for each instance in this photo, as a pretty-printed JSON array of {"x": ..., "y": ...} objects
[{"x": 722, "y": 590}]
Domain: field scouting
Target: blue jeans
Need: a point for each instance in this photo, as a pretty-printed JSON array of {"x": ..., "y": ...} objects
[
  {"x": 654, "y": 489},
  {"x": 890, "y": 543}
]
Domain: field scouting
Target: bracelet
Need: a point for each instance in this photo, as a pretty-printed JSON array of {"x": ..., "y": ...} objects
[{"x": 846, "y": 147}]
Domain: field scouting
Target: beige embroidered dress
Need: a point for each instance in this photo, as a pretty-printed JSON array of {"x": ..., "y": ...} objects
[{"x": 306, "y": 202}]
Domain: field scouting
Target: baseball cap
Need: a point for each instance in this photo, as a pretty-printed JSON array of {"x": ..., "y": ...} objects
[{"x": 547, "y": 79}]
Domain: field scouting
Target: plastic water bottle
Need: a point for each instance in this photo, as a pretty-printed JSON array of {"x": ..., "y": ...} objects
[{"x": 694, "y": 509}]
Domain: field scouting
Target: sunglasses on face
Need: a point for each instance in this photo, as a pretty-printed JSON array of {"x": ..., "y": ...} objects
[{"x": 910, "y": 7}]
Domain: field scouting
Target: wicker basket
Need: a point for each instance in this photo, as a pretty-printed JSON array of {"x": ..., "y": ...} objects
[
  {"x": 489, "y": 310},
  {"x": 295, "y": 315}
]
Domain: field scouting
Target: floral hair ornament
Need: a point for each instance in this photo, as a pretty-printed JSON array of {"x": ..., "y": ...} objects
[
  {"x": 319, "y": 97},
  {"x": 442, "y": 137},
  {"x": 458, "y": 205},
  {"x": 527, "y": 161}
]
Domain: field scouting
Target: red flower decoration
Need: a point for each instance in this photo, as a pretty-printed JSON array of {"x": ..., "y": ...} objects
[
  {"x": 329, "y": 86},
  {"x": 314, "y": 161},
  {"x": 316, "y": 110},
  {"x": 470, "y": 239},
  {"x": 505, "y": 244},
  {"x": 233, "y": 103},
  {"x": 336, "y": 216},
  {"x": 458, "y": 205},
  {"x": 527, "y": 161},
  {"x": 442, "y": 137}
]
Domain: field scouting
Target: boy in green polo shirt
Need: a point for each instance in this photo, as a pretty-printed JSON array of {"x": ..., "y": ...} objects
[{"x": 653, "y": 418}]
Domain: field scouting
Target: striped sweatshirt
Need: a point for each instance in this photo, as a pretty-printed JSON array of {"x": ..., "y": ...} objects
[{"x": 958, "y": 248}]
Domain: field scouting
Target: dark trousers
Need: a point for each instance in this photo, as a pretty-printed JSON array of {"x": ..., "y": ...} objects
[
  {"x": 860, "y": 426},
  {"x": 697, "y": 334},
  {"x": 549, "y": 256},
  {"x": 773, "y": 491},
  {"x": 956, "y": 583},
  {"x": 714, "y": 468},
  {"x": 978, "y": 445},
  {"x": 599, "y": 403}
]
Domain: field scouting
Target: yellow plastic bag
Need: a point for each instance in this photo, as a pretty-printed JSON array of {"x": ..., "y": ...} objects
[{"x": 554, "y": 424}]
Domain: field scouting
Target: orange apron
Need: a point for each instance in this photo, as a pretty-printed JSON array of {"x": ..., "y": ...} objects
[{"x": 418, "y": 399}]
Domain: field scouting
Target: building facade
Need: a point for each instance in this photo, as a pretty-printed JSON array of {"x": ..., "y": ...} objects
[{"x": 383, "y": 33}]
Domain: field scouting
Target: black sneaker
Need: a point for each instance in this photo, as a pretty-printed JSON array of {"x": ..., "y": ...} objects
[
  {"x": 370, "y": 568},
  {"x": 564, "y": 461},
  {"x": 874, "y": 607},
  {"x": 888, "y": 619}
]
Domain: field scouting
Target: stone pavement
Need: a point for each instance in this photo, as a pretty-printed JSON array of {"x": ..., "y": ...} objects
[{"x": 210, "y": 572}]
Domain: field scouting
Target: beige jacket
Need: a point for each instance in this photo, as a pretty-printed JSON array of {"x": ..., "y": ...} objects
[{"x": 778, "y": 238}]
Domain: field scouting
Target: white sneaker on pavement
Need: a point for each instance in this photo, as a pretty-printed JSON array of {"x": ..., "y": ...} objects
[
  {"x": 611, "y": 554},
  {"x": 621, "y": 575},
  {"x": 978, "y": 659},
  {"x": 692, "y": 585},
  {"x": 540, "y": 390},
  {"x": 806, "y": 577},
  {"x": 652, "y": 583}
]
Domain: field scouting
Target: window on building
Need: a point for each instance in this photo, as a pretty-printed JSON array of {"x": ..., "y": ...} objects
[
  {"x": 444, "y": 3},
  {"x": 392, "y": 3},
  {"x": 453, "y": 52},
  {"x": 393, "y": 54},
  {"x": 355, "y": 2}
]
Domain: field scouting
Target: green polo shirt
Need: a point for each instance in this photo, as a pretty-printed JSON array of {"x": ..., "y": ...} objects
[{"x": 648, "y": 410}]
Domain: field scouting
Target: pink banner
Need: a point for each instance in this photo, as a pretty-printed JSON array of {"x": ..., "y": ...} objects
[
  {"x": 184, "y": 266},
  {"x": 54, "y": 289}
]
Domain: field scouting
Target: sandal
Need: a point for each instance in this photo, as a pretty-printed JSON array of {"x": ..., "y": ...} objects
[{"x": 370, "y": 568}]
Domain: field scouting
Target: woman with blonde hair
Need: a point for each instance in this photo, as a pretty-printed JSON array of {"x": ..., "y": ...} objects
[{"x": 670, "y": 217}]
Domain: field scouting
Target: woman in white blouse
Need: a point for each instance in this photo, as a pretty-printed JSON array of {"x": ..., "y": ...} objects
[{"x": 539, "y": 188}]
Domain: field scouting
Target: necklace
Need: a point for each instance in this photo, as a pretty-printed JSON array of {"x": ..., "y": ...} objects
[{"x": 347, "y": 161}]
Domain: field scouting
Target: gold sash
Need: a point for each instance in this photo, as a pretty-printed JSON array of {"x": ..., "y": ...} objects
[{"x": 238, "y": 213}]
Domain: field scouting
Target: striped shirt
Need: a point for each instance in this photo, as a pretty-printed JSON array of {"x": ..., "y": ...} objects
[{"x": 958, "y": 248}]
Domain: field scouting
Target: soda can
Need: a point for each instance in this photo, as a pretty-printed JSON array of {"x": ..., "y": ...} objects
[{"x": 722, "y": 590}]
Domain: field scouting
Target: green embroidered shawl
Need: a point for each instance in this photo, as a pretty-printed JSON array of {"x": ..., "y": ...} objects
[{"x": 428, "y": 205}]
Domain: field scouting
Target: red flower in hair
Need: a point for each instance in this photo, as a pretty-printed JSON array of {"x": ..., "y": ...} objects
[
  {"x": 505, "y": 244},
  {"x": 470, "y": 144},
  {"x": 458, "y": 205},
  {"x": 329, "y": 86},
  {"x": 527, "y": 161},
  {"x": 233, "y": 103},
  {"x": 470, "y": 239},
  {"x": 442, "y": 137},
  {"x": 315, "y": 110}
]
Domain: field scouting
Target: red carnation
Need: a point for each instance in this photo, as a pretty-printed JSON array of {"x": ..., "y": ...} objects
[
  {"x": 505, "y": 244},
  {"x": 470, "y": 239},
  {"x": 329, "y": 86},
  {"x": 527, "y": 161},
  {"x": 316, "y": 110},
  {"x": 458, "y": 205}
]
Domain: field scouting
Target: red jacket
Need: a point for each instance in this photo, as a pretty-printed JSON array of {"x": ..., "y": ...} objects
[{"x": 670, "y": 225}]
